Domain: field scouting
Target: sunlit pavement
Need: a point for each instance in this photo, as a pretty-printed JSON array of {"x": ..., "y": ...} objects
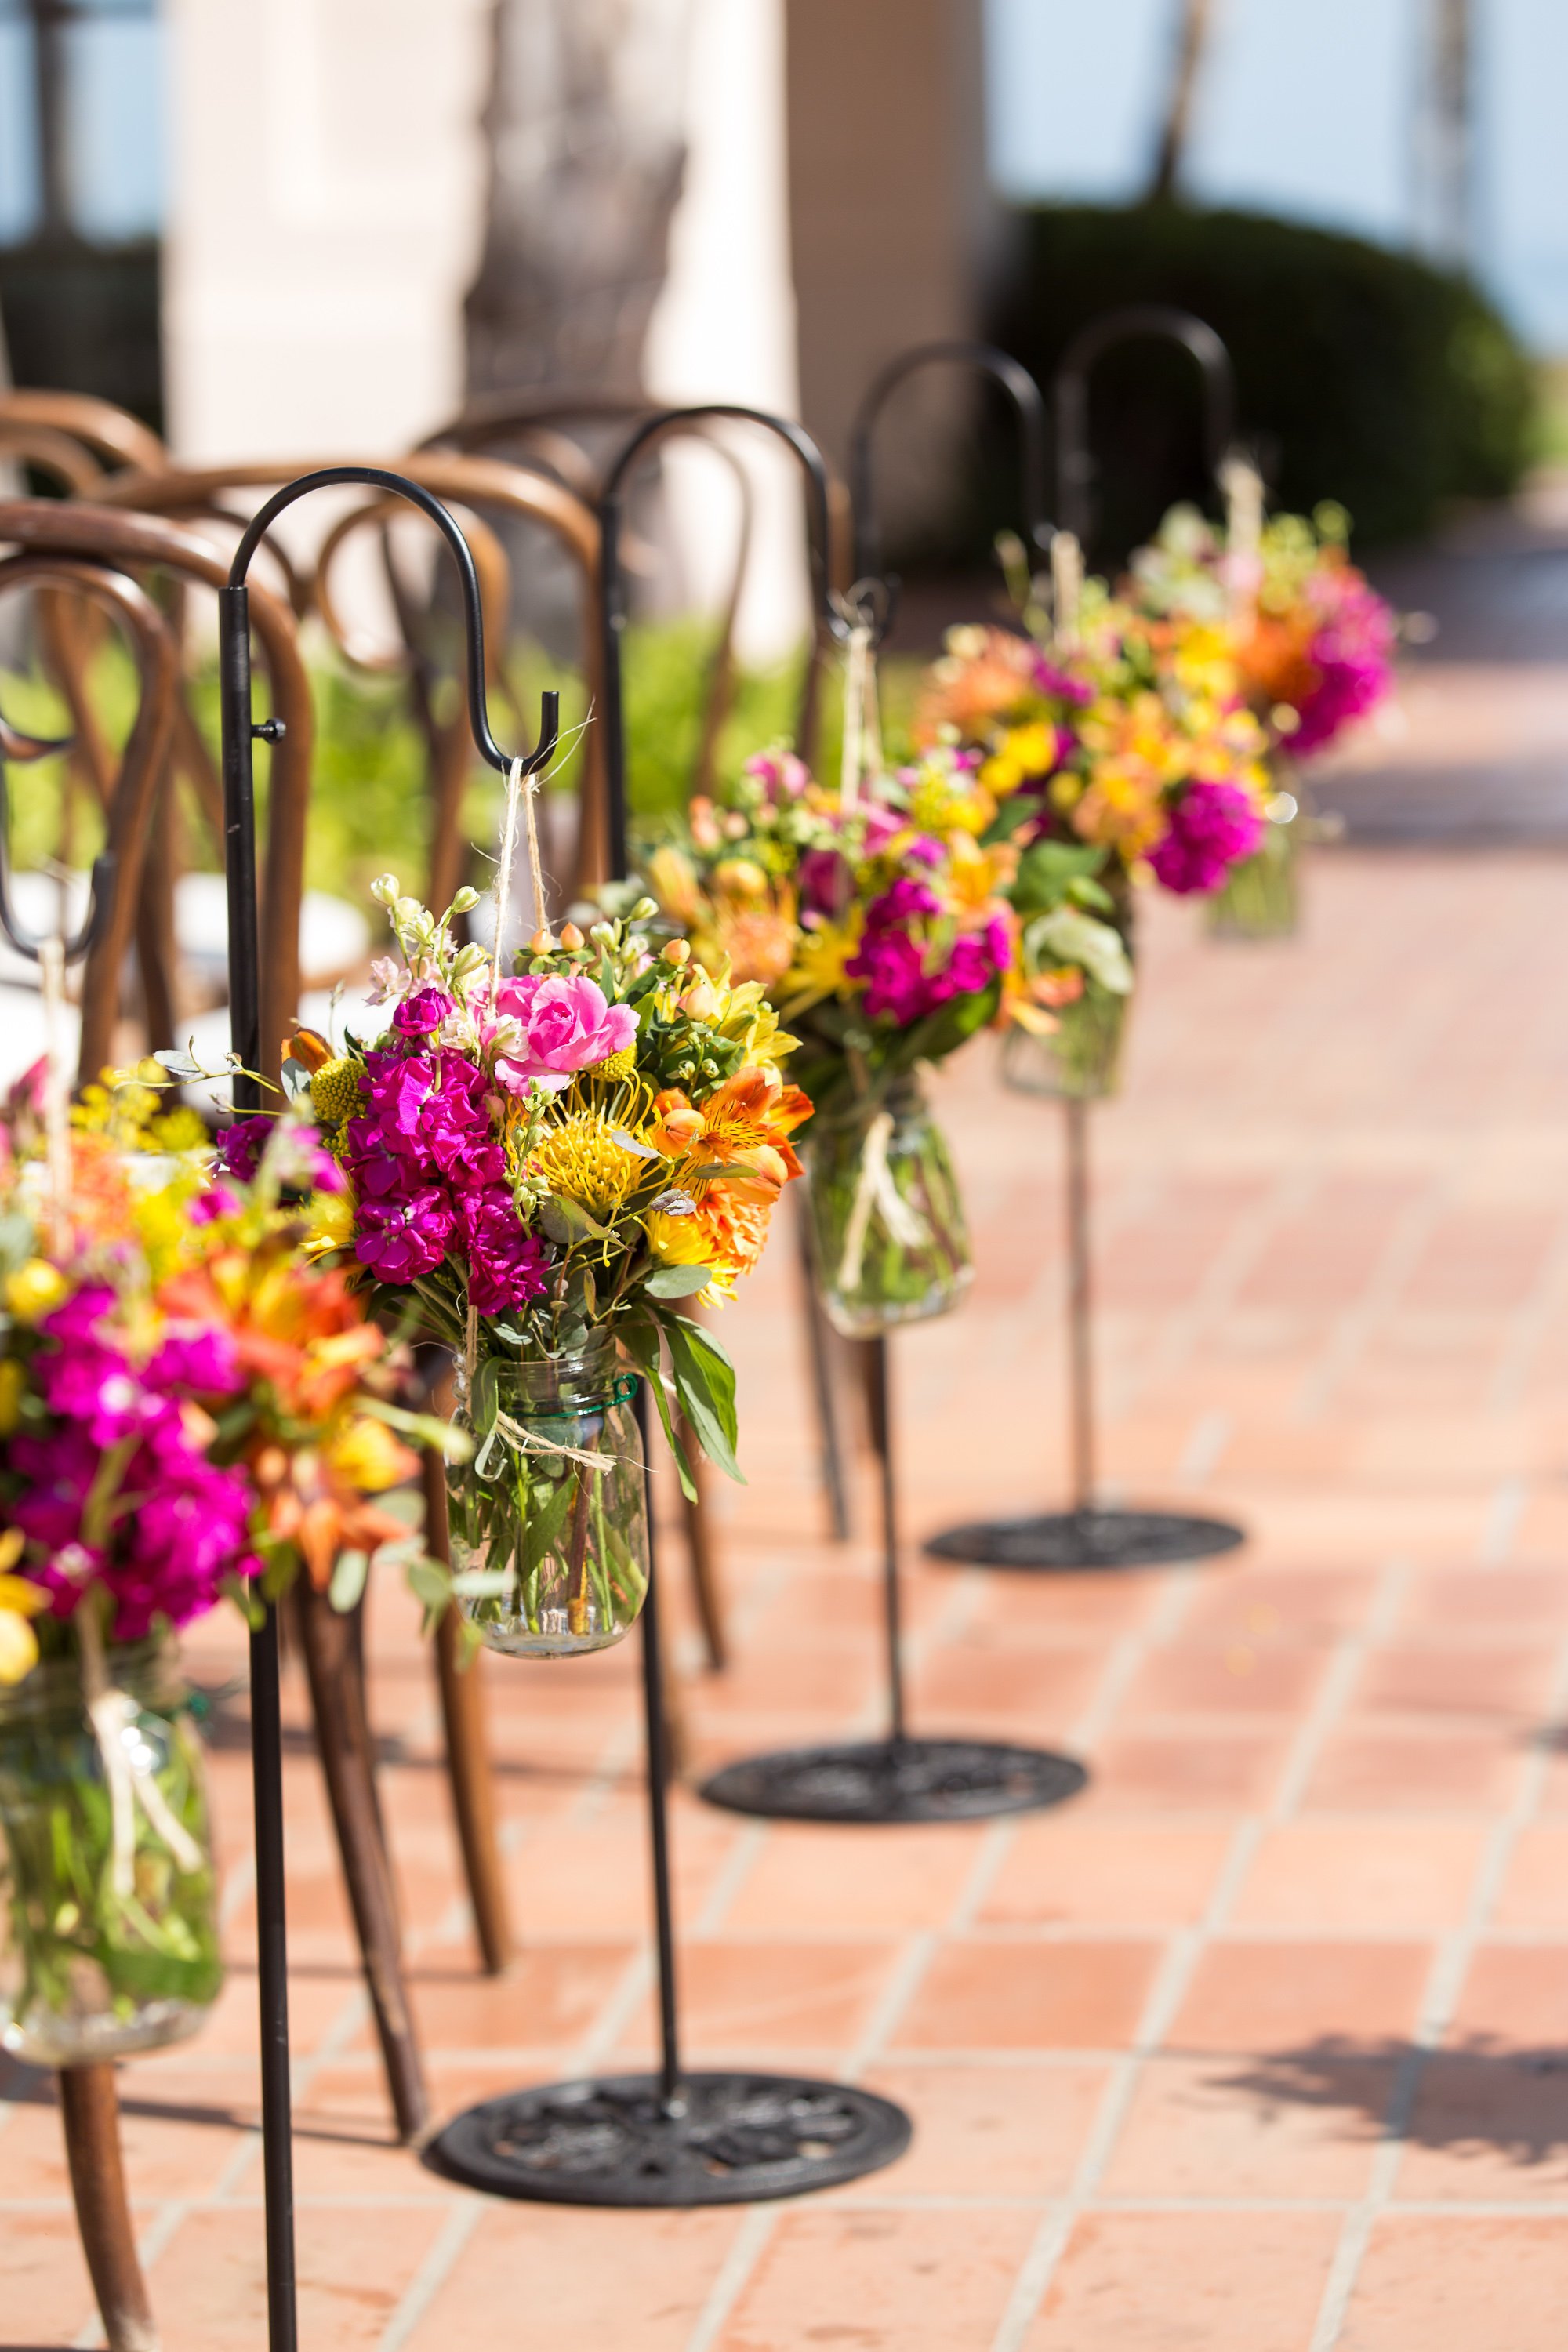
[{"x": 1262, "y": 2044}]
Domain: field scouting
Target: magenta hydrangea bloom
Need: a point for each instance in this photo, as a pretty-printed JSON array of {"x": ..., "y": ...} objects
[
  {"x": 168, "y": 1558},
  {"x": 422, "y": 1012},
  {"x": 507, "y": 1267},
  {"x": 907, "y": 972},
  {"x": 1352, "y": 654},
  {"x": 1211, "y": 827},
  {"x": 241, "y": 1145}
]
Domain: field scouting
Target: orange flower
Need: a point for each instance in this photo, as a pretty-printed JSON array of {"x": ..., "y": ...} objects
[{"x": 746, "y": 1124}]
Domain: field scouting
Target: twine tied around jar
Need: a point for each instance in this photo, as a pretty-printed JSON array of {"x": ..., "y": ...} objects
[
  {"x": 875, "y": 1189},
  {"x": 528, "y": 1441},
  {"x": 111, "y": 1713}
]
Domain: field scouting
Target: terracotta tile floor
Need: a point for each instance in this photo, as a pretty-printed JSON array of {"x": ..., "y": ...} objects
[{"x": 1261, "y": 2043}]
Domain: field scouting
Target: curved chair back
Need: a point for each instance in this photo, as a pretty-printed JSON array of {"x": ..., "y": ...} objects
[
  {"x": 482, "y": 487},
  {"x": 550, "y": 429},
  {"x": 141, "y": 544},
  {"x": 38, "y": 567}
]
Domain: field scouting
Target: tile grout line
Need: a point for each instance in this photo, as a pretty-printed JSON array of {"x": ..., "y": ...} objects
[
  {"x": 1396, "y": 1262},
  {"x": 1175, "y": 1977},
  {"x": 433, "y": 2272},
  {"x": 1450, "y": 1964},
  {"x": 745, "y": 2251}
]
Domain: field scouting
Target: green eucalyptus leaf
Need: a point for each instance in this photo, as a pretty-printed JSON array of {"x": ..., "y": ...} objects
[
  {"x": 705, "y": 1384},
  {"x": 350, "y": 1570},
  {"x": 677, "y": 1281}
]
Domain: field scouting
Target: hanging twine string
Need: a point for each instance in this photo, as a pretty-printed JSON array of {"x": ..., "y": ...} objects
[
  {"x": 57, "y": 1094},
  {"x": 507, "y": 852},
  {"x": 1066, "y": 589},
  {"x": 858, "y": 661},
  {"x": 1243, "y": 485},
  {"x": 112, "y": 1712},
  {"x": 876, "y": 1190}
]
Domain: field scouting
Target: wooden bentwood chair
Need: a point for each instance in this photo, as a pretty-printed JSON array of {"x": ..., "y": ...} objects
[{"x": 89, "y": 2097}]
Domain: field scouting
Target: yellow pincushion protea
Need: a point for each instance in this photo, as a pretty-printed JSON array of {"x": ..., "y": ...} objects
[
  {"x": 335, "y": 1090},
  {"x": 582, "y": 1161}
]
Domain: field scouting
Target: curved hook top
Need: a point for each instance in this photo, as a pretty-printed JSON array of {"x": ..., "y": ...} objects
[
  {"x": 382, "y": 478},
  {"x": 1074, "y": 462},
  {"x": 1027, "y": 401},
  {"x": 667, "y": 421}
]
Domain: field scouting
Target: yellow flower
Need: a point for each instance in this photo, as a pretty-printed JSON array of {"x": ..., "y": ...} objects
[
  {"x": 331, "y": 1224},
  {"x": 582, "y": 1161},
  {"x": 676, "y": 1241},
  {"x": 1024, "y": 752},
  {"x": 367, "y": 1456},
  {"x": 19, "y": 1600},
  {"x": 821, "y": 953},
  {"x": 10, "y": 1414},
  {"x": 33, "y": 1290},
  {"x": 947, "y": 802},
  {"x": 335, "y": 1090}
]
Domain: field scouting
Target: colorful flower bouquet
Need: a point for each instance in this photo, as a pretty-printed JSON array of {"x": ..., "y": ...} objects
[
  {"x": 543, "y": 1167},
  {"x": 1314, "y": 646},
  {"x": 880, "y": 928},
  {"x": 190, "y": 1404},
  {"x": 1122, "y": 752}
]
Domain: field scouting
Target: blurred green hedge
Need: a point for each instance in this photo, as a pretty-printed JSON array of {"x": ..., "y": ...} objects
[{"x": 1367, "y": 375}]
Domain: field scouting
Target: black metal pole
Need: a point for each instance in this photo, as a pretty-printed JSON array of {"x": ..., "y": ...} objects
[
  {"x": 1080, "y": 1355},
  {"x": 657, "y": 1746},
  {"x": 879, "y": 1397},
  {"x": 266, "y": 1728},
  {"x": 1164, "y": 322}
]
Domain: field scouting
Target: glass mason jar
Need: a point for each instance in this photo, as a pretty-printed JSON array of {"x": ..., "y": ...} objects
[
  {"x": 109, "y": 1940},
  {"x": 1261, "y": 898},
  {"x": 1081, "y": 1059},
  {"x": 552, "y": 1507},
  {"x": 889, "y": 1239}
]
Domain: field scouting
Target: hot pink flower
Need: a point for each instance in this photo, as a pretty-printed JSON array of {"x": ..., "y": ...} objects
[{"x": 565, "y": 1026}]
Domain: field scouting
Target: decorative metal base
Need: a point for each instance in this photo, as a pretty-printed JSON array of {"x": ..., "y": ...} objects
[
  {"x": 896, "y": 1780},
  {"x": 1087, "y": 1540},
  {"x": 731, "y": 2139}
]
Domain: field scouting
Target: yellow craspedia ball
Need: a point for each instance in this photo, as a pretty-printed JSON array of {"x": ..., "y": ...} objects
[
  {"x": 616, "y": 1065},
  {"x": 33, "y": 1290},
  {"x": 334, "y": 1091}
]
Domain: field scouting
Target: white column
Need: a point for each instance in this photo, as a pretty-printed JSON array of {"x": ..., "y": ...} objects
[{"x": 724, "y": 327}]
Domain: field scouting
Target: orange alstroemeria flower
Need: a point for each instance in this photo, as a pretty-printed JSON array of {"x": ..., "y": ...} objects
[{"x": 746, "y": 1124}]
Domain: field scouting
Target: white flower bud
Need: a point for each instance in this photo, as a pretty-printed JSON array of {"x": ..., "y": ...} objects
[{"x": 384, "y": 889}]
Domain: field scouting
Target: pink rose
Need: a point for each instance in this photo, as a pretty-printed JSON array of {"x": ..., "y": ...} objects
[{"x": 563, "y": 1027}]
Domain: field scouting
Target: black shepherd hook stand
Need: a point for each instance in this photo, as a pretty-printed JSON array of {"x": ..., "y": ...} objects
[
  {"x": 1087, "y": 1537},
  {"x": 901, "y": 1778},
  {"x": 674, "y": 2138},
  {"x": 239, "y": 733}
]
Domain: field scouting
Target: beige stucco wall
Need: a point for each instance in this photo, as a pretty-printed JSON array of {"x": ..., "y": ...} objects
[
  {"x": 327, "y": 184},
  {"x": 892, "y": 229}
]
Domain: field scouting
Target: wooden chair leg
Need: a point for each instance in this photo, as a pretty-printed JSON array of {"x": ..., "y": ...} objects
[
  {"x": 701, "y": 1552},
  {"x": 469, "y": 1771},
  {"x": 89, "y": 2109},
  {"x": 343, "y": 1742}
]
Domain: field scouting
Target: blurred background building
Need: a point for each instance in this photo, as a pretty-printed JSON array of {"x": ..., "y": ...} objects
[{"x": 305, "y": 225}]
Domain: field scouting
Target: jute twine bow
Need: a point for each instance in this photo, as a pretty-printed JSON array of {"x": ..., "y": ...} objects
[
  {"x": 112, "y": 1712},
  {"x": 1243, "y": 485},
  {"x": 1067, "y": 590},
  {"x": 876, "y": 1190}
]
